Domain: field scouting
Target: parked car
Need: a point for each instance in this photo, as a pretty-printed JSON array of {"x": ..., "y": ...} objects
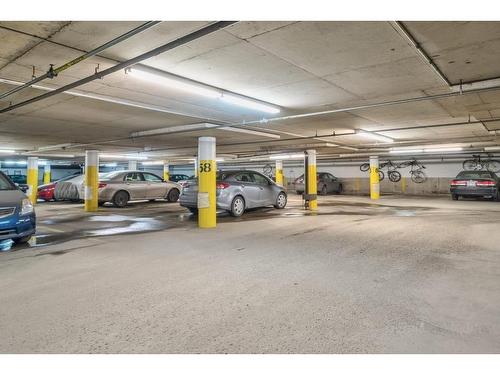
[
  {"x": 18, "y": 221},
  {"x": 178, "y": 177},
  {"x": 120, "y": 187},
  {"x": 71, "y": 189},
  {"x": 327, "y": 183},
  {"x": 18, "y": 178},
  {"x": 46, "y": 191},
  {"x": 237, "y": 191},
  {"x": 475, "y": 184}
]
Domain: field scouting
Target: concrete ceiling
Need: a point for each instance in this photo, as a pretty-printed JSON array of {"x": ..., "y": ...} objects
[{"x": 299, "y": 66}]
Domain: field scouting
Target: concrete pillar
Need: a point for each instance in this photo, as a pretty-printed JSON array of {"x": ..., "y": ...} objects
[
  {"x": 374, "y": 178},
  {"x": 46, "y": 173},
  {"x": 311, "y": 184},
  {"x": 91, "y": 180},
  {"x": 279, "y": 172},
  {"x": 166, "y": 170},
  {"x": 206, "y": 183},
  {"x": 132, "y": 165},
  {"x": 196, "y": 163},
  {"x": 32, "y": 178}
]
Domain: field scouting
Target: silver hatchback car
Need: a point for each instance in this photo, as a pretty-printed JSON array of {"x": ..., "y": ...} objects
[{"x": 237, "y": 191}]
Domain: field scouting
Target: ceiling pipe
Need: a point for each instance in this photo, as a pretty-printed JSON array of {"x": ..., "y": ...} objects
[
  {"x": 125, "y": 64},
  {"x": 51, "y": 73}
]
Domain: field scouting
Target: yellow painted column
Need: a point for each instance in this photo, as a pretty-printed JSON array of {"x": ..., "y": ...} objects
[
  {"x": 312, "y": 183},
  {"x": 207, "y": 168},
  {"x": 91, "y": 180},
  {"x": 166, "y": 172},
  {"x": 403, "y": 185},
  {"x": 132, "y": 165},
  {"x": 46, "y": 173},
  {"x": 374, "y": 178},
  {"x": 32, "y": 179},
  {"x": 279, "y": 172}
]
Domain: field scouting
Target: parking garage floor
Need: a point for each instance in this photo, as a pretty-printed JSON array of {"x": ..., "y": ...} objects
[{"x": 402, "y": 275}]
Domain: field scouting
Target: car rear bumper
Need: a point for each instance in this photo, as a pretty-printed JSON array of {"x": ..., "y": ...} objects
[
  {"x": 476, "y": 192},
  {"x": 17, "y": 227}
]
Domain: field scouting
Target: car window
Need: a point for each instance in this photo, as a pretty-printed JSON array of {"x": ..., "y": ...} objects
[
  {"x": 5, "y": 184},
  {"x": 331, "y": 177},
  {"x": 259, "y": 179},
  {"x": 475, "y": 174},
  {"x": 151, "y": 177},
  {"x": 133, "y": 177},
  {"x": 243, "y": 177}
]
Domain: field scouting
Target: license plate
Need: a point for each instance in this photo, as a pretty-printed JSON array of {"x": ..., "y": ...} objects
[{"x": 471, "y": 183}]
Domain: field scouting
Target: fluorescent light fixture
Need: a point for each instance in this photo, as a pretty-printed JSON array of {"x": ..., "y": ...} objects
[
  {"x": 176, "y": 83},
  {"x": 444, "y": 149},
  {"x": 492, "y": 148},
  {"x": 249, "y": 131},
  {"x": 196, "y": 88},
  {"x": 329, "y": 144},
  {"x": 219, "y": 159},
  {"x": 152, "y": 162},
  {"x": 18, "y": 162},
  {"x": 7, "y": 152},
  {"x": 110, "y": 165},
  {"x": 248, "y": 103},
  {"x": 286, "y": 156},
  {"x": 173, "y": 129},
  {"x": 375, "y": 136},
  {"x": 406, "y": 151},
  {"x": 120, "y": 156}
]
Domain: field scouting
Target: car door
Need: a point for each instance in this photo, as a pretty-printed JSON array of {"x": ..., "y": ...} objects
[
  {"x": 135, "y": 185},
  {"x": 250, "y": 190},
  {"x": 266, "y": 196},
  {"x": 156, "y": 187},
  {"x": 334, "y": 182}
]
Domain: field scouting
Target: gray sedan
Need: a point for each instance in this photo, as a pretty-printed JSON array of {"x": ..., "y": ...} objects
[
  {"x": 237, "y": 191},
  {"x": 327, "y": 183}
]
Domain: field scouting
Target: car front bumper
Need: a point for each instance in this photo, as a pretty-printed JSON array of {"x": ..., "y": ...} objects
[{"x": 17, "y": 226}]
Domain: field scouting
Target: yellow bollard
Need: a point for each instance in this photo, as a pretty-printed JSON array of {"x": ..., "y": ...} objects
[
  {"x": 32, "y": 179},
  {"x": 403, "y": 184},
  {"x": 207, "y": 168},
  {"x": 374, "y": 178},
  {"x": 46, "y": 174},
  {"x": 312, "y": 183},
  {"x": 279, "y": 172},
  {"x": 91, "y": 180},
  {"x": 166, "y": 173}
]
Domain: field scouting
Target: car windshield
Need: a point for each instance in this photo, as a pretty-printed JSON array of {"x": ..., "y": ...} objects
[
  {"x": 474, "y": 174},
  {"x": 5, "y": 184}
]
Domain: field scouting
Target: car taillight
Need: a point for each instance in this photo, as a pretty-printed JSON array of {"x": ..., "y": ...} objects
[
  {"x": 102, "y": 185},
  {"x": 222, "y": 185},
  {"x": 458, "y": 183},
  {"x": 485, "y": 183}
]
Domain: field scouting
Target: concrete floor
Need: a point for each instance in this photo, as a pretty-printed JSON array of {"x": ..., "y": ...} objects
[{"x": 404, "y": 275}]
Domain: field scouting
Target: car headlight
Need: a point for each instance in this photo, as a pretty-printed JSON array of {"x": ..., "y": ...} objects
[{"x": 26, "y": 207}]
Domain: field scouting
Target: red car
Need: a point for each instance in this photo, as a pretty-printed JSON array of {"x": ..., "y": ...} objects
[{"x": 46, "y": 192}]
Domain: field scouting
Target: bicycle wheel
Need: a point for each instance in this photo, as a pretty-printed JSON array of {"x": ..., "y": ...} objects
[
  {"x": 381, "y": 175},
  {"x": 394, "y": 176},
  {"x": 471, "y": 165},
  {"x": 418, "y": 177},
  {"x": 493, "y": 166},
  {"x": 364, "y": 167}
]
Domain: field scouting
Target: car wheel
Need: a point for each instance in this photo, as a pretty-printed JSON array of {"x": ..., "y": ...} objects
[
  {"x": 280, "y": 201},
  {"x": 299, "y": 192},
  {"x": 100, "y": 203},
  {"x": 454, "y": 197},
  {"x": 237, "y": 206},
  {"x": 496, "y": 197},
  {"x": 324, "y": 190},
  {"x": 173, "y": 195},
  {"x": 120, "y": 199},
  {"x": 193, "y": 210},
  {"x": 341, "y": 188},
  {"x": 23, "y": 239}
]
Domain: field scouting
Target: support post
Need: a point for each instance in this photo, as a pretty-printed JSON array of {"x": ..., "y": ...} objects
[
  {"x": 46, "y": 173},
  {"x": 206, "y": 183},
  {"x": 91, "y": 180},
  {"x": 32, "y": 179},
  {"x": 311, "y": 183},
  {"x": 166, "y": 170},
  {"x": 196, "y": 163},
  {"x": 132, "y": 165},
  {"x": 374, "y": 178},
  {"x": 403, "y": 184},
  {"x": 279, "y": 172}
]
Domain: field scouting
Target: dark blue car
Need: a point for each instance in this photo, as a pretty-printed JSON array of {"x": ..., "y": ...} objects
[{"x": 17, "y": 215}]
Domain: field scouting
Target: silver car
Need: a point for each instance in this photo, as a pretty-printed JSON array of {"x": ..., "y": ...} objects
[
  {"x": 327, "y": 183},
  {"x": 238, "y": 191}
]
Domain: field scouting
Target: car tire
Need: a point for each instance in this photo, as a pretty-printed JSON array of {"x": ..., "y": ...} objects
[
  {"x": 281, "y": 201},
  {"x": 496, "y": 197},
  {"x": 299, "y": 192},
  {"x": 193, "y": 210},
  {"x": 120, "y": 199},
  {"x": 173, "y": 195},
  {"x": 341, "y": 188},
  {"x": 100, "y": 203},
  {"x": 237, "y": 206},
  {"x": 324, "y": 190},
  {"x": 454, "y": 197},
  {"x": 23, "y": 239}
]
